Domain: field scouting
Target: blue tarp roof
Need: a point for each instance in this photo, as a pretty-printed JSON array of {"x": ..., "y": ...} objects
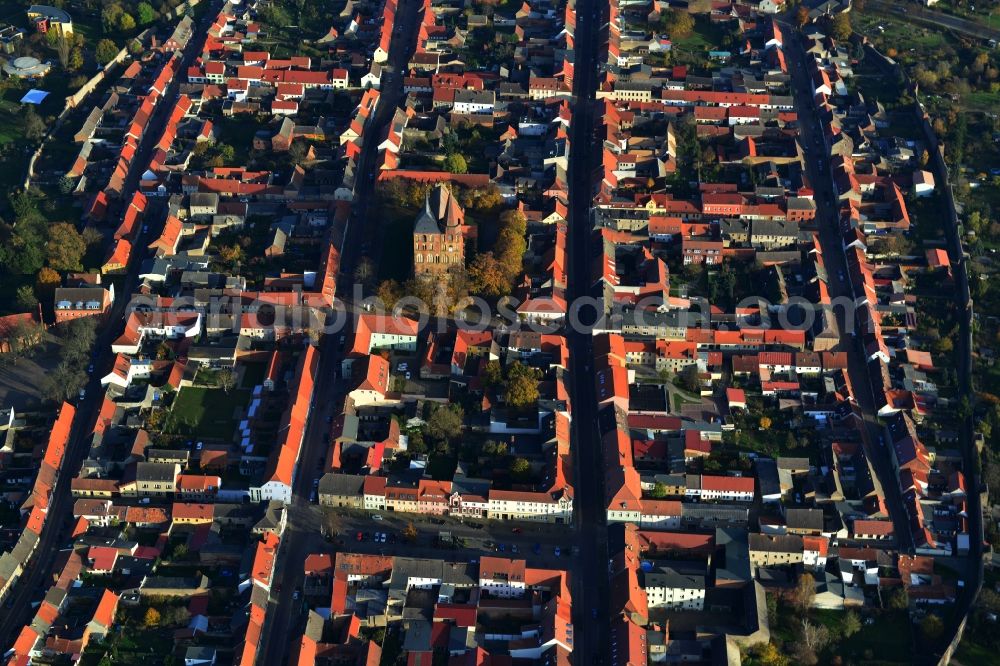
[{"x": 34, "y": 96}]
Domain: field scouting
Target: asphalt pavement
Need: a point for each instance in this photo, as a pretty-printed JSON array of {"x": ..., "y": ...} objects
[
  {"x": 827, "y": 223},
  {"x": 590, "y": 576},
  {"x": 541, "y": 544}
]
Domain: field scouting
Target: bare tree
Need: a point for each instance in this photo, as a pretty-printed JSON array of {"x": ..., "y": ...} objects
[
  {"x": 332, "y": 522},
  {"x": 63, "y": 382},
  {"x": 365, "y": 272},
  {"x": 24, "y": 336},
  {"x": 815, "y": 636},
  {"x": 63, "y": 49},
  {"x": 812, "y": 639},
  {"x": 804, "y": 592},
  {"x": 226, "y": 380}
]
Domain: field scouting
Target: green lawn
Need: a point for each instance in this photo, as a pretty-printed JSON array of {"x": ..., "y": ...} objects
[
  {"x": 928, "y": 217},
  {"x": 876, "y": 86},
  {"x": 987, "y": 378},
  {"x": 131, "y": 645},
  {"x": 707, "y": 36},
  {"x": 680, "y": 401},
  {"x": 901, "y": 35},
  {"x": 238, "y": 131},
  {"x": 205, "y": 412},
  {"x": 986, "y": 196},
  {"x": 693, "y": 49},
  {"x": 888, "y": 639},
  {"x": 981, "y": 100},
  {"x": 967, "y": 11},
  {"x": 920, "y": 38},
  {"x": 970, "y": 653}
]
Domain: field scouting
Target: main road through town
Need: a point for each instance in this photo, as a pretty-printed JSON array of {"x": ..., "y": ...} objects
[
  {"x": 591, "y": 604},
  {"x": 589, "y": 569}
]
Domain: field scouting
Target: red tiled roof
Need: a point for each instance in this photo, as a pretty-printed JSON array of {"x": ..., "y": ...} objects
[
  {"x": 733, "y": 484},
  {"x": 104, "y": 615},
  {"x": 318, "y": 564},
  {"x": 198, "y": 482},
  {"x": 494, "y": 568},
  {"x": 817, "y": 544},
  {"x": 193, "y": 511},
  {"x": 876, "y": 527},
  {"x": 263, "y": 561},
  {"x": 102, "y": 558}
]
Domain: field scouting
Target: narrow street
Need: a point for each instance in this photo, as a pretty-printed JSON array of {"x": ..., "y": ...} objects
[
  {"x": 828, "y": 227},
  {"x": 591, "y": 598},
  {"x": 302, "y": 535}
]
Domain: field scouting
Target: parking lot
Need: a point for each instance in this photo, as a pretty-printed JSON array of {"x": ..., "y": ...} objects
[{"x": 423, "y": 536}]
